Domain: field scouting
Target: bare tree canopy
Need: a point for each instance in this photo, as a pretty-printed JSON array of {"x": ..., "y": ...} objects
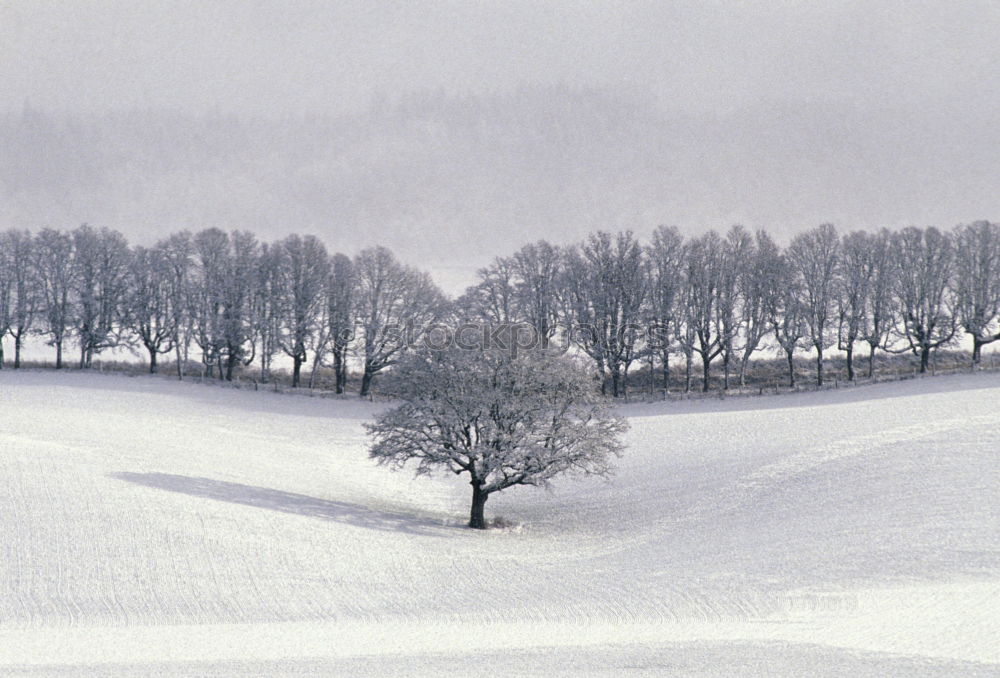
[
  {"x": 502, "y": 421},
  {"x": 704, "y": 272},
  {"x": 149, "y": 303},
  {"x": 302, "y": 267},
  {"x": 101, "y": 266},
  {"x": 854, "y": 279},
  {"x": 605, "y": 285},
  {"x": 395, "y": 305},
  {"x": 341, "y": 314},
  {"x": 54, "y": 262},
  {"x": 926, "y": 262},
  {"x": 814, "y": 256},
  {"x": 977, "y": 283},
  {"x": 665, "y": 257}
]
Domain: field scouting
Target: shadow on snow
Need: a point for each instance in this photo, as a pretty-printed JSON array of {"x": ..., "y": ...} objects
[{"x": 286, "y": 502}]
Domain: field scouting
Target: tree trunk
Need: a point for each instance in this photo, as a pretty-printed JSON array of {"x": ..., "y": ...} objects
[
  {"x": 687, "y": 372},
  {"x": 152, "y": 360},
  {"x": 666, "y": 371},
  {"x": 338, "y": 370},
  {"x": 651, "y": 381},
  {"x": 791, "y": 368},
  {"x": 17, "y": 352},
  {"x": 186, "y": 354},
  {"x": 59, "y": 360},
  {"x": 296, "y": 370},
  {"x": 706, "y": 366},
  {"x": 180, "y": 361},
  {"x": 1, "y": 353},
  {"x": 616, "y": 379},
  {"x": 977, "y": 351},
  {"x": 819, "y": 365},
  {"x": 725, "y": 372},
  {"x": 230, "y": 365},
  {"x": 925, "y": 357},
  {"x": 315, "y": 368},
  {"x": 477, "y": 518},
  {"x": 850, "y": 361},
  {"x": 871, "y": 361},
  {"x": 366, "y": 381}
]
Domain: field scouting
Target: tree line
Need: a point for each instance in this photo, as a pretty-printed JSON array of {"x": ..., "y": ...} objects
[
  {"x": 224, "y": 298},
  {"x": 234, "y": 302},
  {"x": 723, "y": 298}
]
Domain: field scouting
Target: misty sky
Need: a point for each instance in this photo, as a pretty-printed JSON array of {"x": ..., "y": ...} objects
[
  {"x": 793, "y": 69},
  {"x": 291, "y": 55}
]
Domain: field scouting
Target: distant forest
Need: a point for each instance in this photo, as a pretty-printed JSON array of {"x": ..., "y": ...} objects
[{"x": 716, "y": 300}]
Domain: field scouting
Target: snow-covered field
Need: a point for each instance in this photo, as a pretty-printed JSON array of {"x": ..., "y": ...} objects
[{"x": 158, "y": 528}]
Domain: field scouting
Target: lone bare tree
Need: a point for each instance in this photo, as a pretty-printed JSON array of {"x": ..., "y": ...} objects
[{"x": 503, "y": 421}]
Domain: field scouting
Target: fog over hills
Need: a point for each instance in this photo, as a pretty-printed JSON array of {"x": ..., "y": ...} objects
[
  {"x": 449, "y": 181},
  {"x": 453, "y": 132}
]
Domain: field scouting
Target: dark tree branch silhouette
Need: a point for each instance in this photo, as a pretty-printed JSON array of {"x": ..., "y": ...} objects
[{"x": 500, "y": 420}]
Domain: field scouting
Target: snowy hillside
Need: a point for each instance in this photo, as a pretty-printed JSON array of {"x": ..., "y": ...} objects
[{"x": 157, "y": 528}]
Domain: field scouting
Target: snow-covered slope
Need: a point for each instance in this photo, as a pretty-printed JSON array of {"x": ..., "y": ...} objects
[{"x": 159, "y": 528}]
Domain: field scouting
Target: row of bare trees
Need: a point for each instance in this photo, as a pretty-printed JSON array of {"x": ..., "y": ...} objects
[
  {"x": 226, "y": 298},
  {"x": 233, "y": 301},
  {"x": 723, "y": 298}
]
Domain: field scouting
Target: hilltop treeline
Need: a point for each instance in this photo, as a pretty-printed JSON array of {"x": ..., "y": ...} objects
[{"x": 234, "y": 302}]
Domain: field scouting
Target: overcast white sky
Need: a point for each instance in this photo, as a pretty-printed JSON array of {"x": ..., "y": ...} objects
[
  {"x": 294, "y": 55},
  {"x": 866, "y": 114}
]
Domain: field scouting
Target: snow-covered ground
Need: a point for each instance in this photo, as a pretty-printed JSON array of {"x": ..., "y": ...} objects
[{"x": 160, "y": 528}]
